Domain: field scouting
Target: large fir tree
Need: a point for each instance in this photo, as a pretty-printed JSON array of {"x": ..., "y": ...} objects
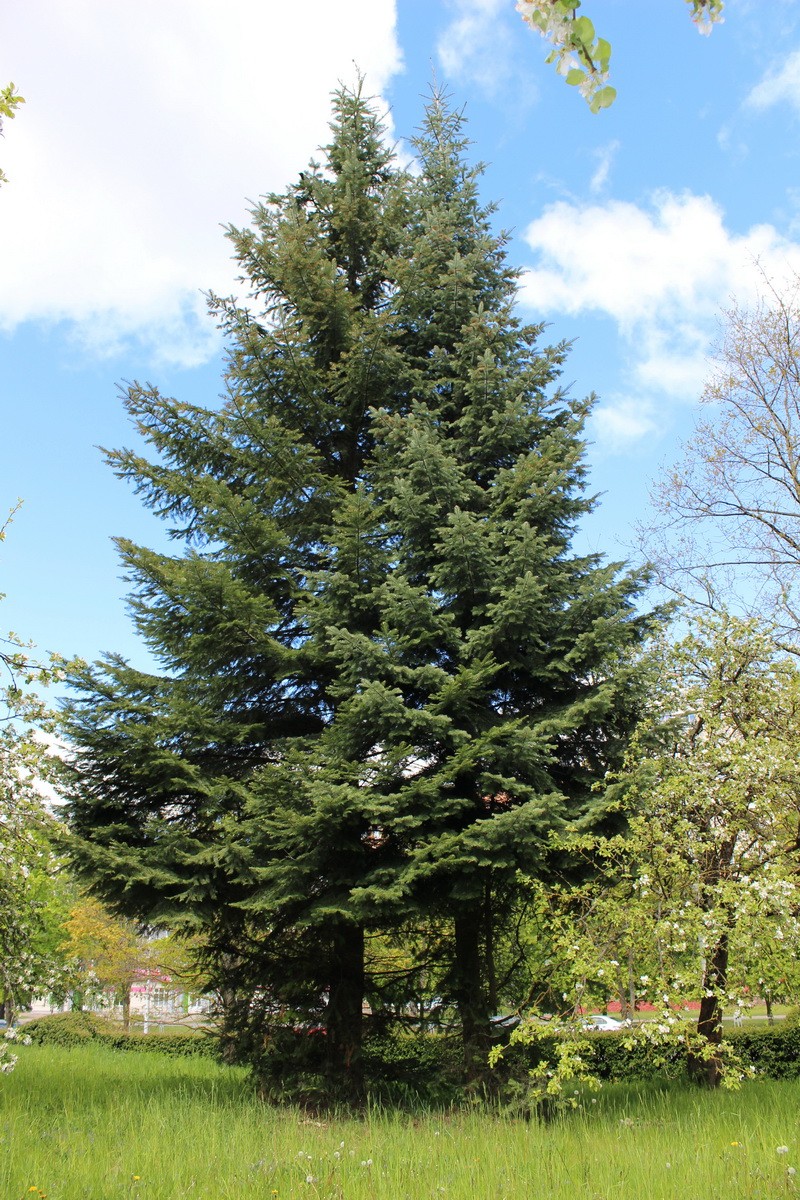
[
  {"x": 497, "y": 687},
  {"x": 386, "y": 677}
]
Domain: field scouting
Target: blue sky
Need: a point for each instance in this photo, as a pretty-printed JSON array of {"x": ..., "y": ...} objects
[{"x": 147, "y": 127}]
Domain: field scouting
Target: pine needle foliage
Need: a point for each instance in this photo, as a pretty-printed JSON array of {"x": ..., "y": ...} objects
[{"x": 386, "y": 675}]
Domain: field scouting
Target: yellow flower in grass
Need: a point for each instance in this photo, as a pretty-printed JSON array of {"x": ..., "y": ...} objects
[{"x": 736, "y": 1143}]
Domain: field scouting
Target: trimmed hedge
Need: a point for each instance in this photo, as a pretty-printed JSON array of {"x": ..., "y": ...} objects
[
  {"x": 426, "y": 1066},
  {"x": 605, "y": 1056},
  {"x": 78, "y": 1028},
  {"x": 792, "y": 1017},
  {"x": 400, "y": 1068},
  {"x": 433, "y": 1062},
  {"x": 773, "y": 1051},
  {"x": 404, "y": 1067}
]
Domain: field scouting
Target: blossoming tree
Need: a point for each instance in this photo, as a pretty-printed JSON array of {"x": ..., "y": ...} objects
[
  {"x": 10, "y": 101},
  {"x": 26, "y": 855},
  {"x": 718, "y": 832},
  {"x": 699, "y": 899},
  {"x": 580, "y": 56}
]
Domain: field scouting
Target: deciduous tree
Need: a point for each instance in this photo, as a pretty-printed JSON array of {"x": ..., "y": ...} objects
[
  {"x": 582, "y": 57},
  {"x": 26, "y": 852},
  {"x": 108, "y": 952},
  {"x": 10, "y": 101},
  {"x": 699, "y": 900},
  {"x": 730, "y": 509}
]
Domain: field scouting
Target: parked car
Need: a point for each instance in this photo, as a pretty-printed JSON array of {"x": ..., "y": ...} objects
[
  {"x": 602, "y": 1022},
  {"x": 500, "y": 1022}
]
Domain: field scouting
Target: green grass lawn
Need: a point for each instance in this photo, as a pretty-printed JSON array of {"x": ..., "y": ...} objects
[{"x": 97, "y": 1123}]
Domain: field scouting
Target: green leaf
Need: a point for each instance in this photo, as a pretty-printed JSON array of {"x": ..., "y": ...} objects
[
  {"x": 583, "y": 31},
  {"x": 575, "y": 76},
  {"x": 602, "y": 99},
  {"x": 602, "y": 53}
]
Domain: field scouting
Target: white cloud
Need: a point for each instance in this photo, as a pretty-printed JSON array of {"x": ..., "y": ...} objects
[
  {"x": 605, "y": 157},
  {"x": 478, "y": 45},
  {"x": 621, "y": 421},
  {"x": 146, "y": 127},
  {"x": 469, "y": 43},
  {"x": 662, "y": 273},
  {"x": 781, "y": 85}
]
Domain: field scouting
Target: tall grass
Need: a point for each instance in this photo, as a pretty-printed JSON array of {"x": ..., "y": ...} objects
[{"x": 94, "y": 1123}]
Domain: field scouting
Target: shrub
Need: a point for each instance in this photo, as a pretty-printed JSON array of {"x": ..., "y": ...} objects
[
  {"x": 403, "y": 1067},
  {"x": 400, "y": 1068},
  {"x": 409, "y": 1069},
  {"x": 63, "y": 1029},
  {"x": 773, "y": 1051},
  {"x": 605, "y": 1054},
  {"x": 78, "y": 1028}
]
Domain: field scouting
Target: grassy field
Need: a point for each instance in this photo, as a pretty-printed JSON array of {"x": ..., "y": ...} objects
[{"x": 95, "y": 1123}]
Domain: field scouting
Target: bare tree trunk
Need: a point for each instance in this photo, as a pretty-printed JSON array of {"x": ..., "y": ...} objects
[
  {"x": 491, "y": 974},
  {"x": 708, "y": 1069},
  {"x": 125, "y": 999},
  {"x": 470, "y": 997},
  {"x": 631, "y": 1004},
  {"x": 227, "y": 1002},
  {"x": 343, "y": 1015}
]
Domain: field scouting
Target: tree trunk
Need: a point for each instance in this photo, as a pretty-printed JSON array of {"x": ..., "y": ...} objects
[
  {"x": 470, "y": 998},
  {"x": 631, "y": 984},
  {"x": 491, "y": 974},
  {"x": 125, "y": 998},
  {"x": 229, "y": 1033},
  {"x": 707, "y": 1068},
  {"x": 343, "y": 1015},
  {"x": 626, "y": 989}
]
